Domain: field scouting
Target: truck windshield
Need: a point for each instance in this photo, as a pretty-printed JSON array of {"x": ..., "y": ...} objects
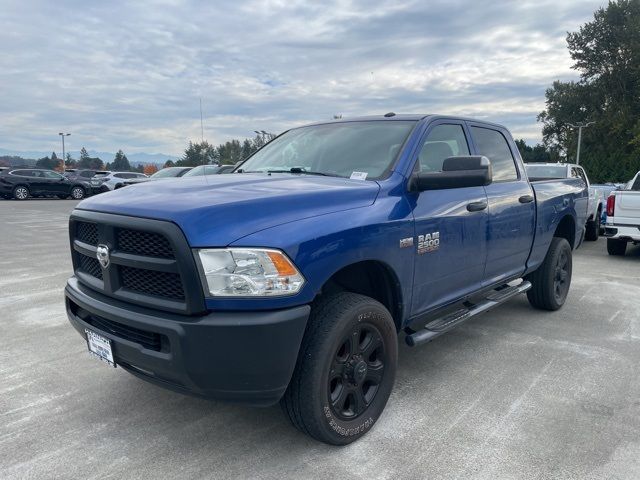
[
  {"x": 546, "y": 171},
  {"x": 336, "y": 149}
]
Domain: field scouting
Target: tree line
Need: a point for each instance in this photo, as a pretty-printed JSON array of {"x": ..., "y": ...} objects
[
  {"x": 228, "y": 153},
  {"x": 196, "y": 153}
]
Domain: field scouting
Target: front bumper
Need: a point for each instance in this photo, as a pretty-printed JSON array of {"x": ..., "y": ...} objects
[
  {"x": 245, "y": 357},
  {"x": 622, "y": 232}
]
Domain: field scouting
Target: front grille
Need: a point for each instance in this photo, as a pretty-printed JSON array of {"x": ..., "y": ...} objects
[
  {"x": 160, "y": 284},
  {"x": 149, "y": 340},
  {"x": 151, "y": 263},
  {"x": 144, "y": 243},
  {"x": 91, "y": 266},
  {"x": 87, "y": 232}
]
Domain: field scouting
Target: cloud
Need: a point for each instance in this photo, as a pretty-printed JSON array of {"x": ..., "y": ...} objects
[{"x": 130, "y": 74}]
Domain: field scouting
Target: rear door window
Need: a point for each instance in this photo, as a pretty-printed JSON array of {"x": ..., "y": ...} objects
[{"x": 493, "y": 145}]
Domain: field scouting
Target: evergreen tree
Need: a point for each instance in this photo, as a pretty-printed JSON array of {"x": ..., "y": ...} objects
[
  {"x": 198, "y": 154},
  {"x": 47, "y": 162},
  {"x": 69, "y": 162},
  {"x": 120, "y": 163},
  {"x": 606, "y": 52}
]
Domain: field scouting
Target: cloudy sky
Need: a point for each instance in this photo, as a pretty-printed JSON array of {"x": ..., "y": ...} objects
[{"x": 130, "y": 74}]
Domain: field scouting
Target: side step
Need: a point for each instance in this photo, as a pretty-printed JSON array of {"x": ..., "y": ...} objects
[{"x": 437, "y": 327}]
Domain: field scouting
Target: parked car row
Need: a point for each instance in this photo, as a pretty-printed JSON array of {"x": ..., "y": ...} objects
[{"x": 21, "y": 183}]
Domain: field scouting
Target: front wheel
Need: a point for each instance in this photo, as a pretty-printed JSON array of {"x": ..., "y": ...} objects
[
  {"x": 345, "y": 370},
  {"x": 616, "y": 247},
  {"x": 77, "y": 193},
  {"x": 551, "y": 281}
]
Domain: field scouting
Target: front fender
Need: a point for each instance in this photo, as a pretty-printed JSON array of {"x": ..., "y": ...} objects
[{"x": 323, "y": 245}]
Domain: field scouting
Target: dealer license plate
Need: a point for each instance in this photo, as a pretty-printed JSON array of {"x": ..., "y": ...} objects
[{"x": 100, "y": 347}]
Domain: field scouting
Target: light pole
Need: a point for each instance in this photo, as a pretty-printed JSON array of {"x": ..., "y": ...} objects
[
  {"x": 580, "y": 126},
  {"x": 64, "y": 157}
]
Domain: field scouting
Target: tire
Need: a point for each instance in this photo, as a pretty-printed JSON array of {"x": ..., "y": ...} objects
[
  {"x": 77, "y": 193},
  {"x": 21, "y": 192},
  {"x": 119, "y": 185},
  {"x": 616, "y": 247},
  {"x": 593, "y": 229},
  {"x": 350, "y": 344},
  {"x": 551, "y": 281}
]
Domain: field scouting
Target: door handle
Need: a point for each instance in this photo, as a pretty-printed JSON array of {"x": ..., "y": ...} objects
[
  {"x": 477, "y": 206},
  {"x": 526, "y": 199}
]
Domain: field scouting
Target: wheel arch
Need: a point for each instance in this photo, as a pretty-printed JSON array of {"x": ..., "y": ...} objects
[
  {"x": 372, "y": 278},
  {"x": 567, "y": 229}
]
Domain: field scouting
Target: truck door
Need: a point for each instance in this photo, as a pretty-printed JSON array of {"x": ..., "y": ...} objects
[
  {"x": 511, "y": 206},
  {"x": 450, "y": 226}
]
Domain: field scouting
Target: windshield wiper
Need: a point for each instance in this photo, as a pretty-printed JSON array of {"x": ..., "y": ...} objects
[{"x": 302, "y": 170}]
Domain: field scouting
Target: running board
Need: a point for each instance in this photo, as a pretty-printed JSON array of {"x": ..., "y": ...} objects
[{"x": 437, "y": 327}]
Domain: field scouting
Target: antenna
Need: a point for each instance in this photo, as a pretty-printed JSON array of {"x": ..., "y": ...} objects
[{"x": 201, "y": 123}]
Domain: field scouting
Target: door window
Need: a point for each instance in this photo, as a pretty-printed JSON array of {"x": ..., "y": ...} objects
[
  {"x": 52, "y": 175},
  {"x": 494, "y": 146},
  {"x": 444, "y": 141}
]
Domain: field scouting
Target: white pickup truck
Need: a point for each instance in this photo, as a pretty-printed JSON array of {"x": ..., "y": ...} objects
[{"x": 623, "y": 217}]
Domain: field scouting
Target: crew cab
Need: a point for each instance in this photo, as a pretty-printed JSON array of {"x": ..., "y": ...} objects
[
  {"x": 292, "y": 278},
  {"x": 547, "y": 171},
  {"x": 623, "y": 217}
]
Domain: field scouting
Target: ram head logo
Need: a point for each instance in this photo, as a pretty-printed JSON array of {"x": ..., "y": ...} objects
[{"x": 102, "y": 254}]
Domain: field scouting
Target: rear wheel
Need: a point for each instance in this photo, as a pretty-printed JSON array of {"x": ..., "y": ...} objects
[
  {"x": 616, "y": 247},
  {"x": 21, "y": 192},
  {"x": 77, "y": 193},
  {"x": 593, "y": 229},
  {"x": 550, "y": 283},
  {"x": 345, "y": 370}
]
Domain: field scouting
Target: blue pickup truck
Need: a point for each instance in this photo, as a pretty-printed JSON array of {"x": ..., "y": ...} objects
[{"x": 291, "y": 279}]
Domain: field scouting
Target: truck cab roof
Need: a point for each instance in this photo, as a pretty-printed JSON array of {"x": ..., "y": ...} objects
[{"x": 394, "y": 117}]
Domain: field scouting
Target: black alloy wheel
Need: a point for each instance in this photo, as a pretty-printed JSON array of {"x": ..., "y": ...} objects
[
  {"x": 562, "y": 275},
  {"x": 356, "y": 372}
]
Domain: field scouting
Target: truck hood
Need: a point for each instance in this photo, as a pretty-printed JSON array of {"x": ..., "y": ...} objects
[{"x": 216, "y": 210}]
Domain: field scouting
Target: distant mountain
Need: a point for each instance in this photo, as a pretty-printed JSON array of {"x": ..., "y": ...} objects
[{"x": 134, "y": 158}]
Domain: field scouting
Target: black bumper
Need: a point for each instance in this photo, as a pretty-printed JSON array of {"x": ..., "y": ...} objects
[{"x": 244, "y": 357}]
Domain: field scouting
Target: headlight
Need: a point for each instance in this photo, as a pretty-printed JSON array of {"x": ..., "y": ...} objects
[{"x": 243, "y": 272}]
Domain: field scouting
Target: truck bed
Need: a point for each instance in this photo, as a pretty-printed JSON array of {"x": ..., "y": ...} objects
[{"x": 554, "y": 198}]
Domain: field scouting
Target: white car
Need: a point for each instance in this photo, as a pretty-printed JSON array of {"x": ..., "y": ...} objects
[
  {"x": 113, "y": 181},
  {"x": 623, "y": 217}
]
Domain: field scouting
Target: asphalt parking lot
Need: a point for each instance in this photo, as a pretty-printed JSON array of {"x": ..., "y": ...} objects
[{"x": 516, "y": 393}]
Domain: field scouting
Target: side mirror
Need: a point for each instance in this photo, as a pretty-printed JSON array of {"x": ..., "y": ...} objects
[{"x": 457, "y": 172}]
